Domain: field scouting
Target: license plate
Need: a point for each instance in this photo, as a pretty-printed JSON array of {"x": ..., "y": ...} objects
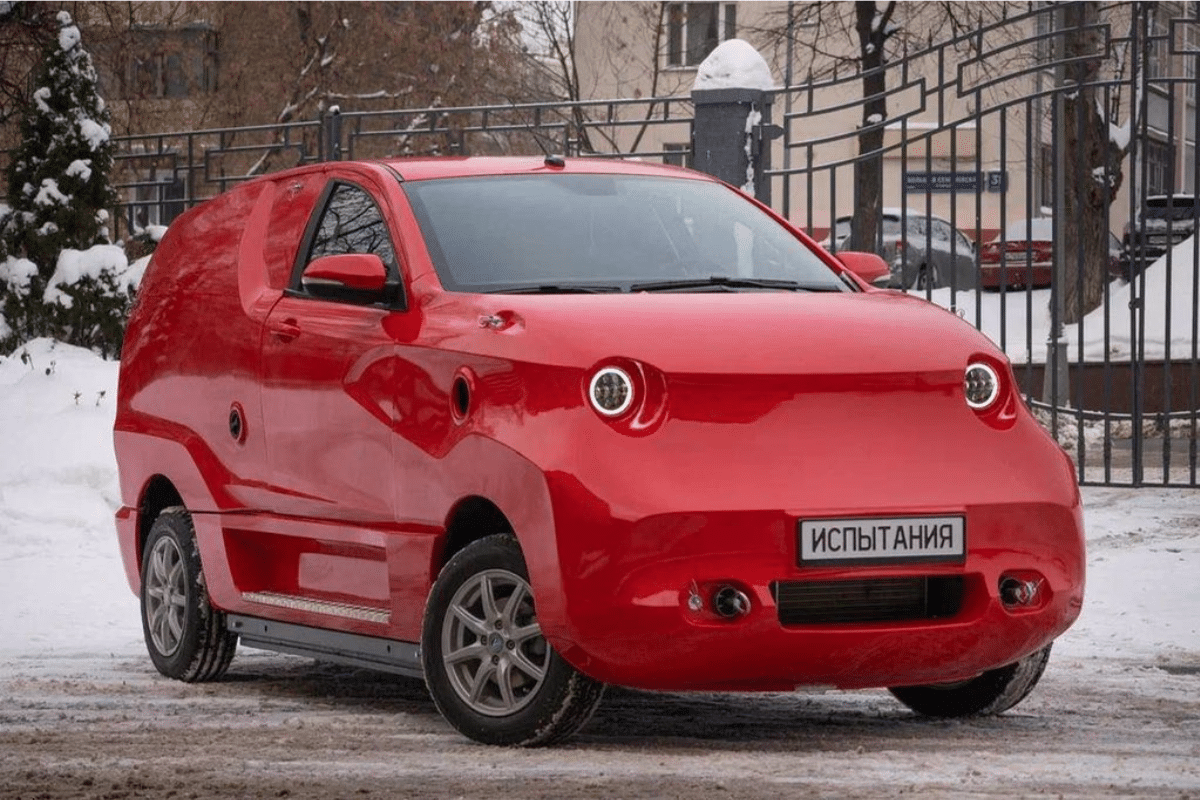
[
  {"x": 1019, "y": 258},
  {"x": 882, "y": 540}
]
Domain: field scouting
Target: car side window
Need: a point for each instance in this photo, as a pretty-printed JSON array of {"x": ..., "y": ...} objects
[
  {"x": 917, "y": 227},
  {"x": 352, "y": 223}
]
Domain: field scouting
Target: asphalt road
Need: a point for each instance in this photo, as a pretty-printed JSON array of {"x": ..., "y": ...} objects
[{"x": 97, "y": 726}]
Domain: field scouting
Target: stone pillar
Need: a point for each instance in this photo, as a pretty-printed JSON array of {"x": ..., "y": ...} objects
[{"x": 731, "y": 137}]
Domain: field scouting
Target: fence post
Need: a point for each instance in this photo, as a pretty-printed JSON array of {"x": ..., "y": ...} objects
[
  {"x": 731, "y": 137},
  {"x": 333, "y": 135}
]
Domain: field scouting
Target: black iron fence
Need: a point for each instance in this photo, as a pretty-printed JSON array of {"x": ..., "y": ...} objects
[
  {"x": 985, "y": 157},
  {"x": 161, "y": 174},
  {"x": 974, "y": 158}
]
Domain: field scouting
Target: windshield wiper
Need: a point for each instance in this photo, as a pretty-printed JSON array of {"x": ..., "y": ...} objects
[
  {"x": 555, "y": 288},
  {"x": 726, "y": 282}
]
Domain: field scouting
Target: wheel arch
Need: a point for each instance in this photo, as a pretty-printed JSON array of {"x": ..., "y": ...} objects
[
  {"x": 501, "y": 490},
  {"x": 472, "y": 518},
  {"x": 158, "y": 494}
]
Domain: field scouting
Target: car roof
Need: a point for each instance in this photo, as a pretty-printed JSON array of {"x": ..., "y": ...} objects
[
  {"x": 429, "y": 168},
  {"x": 896, "y": 213}
]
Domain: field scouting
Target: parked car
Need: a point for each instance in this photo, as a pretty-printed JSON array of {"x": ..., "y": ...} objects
[
  {"x": 921, "y": 251},
  {"x": 1161, "y": 222},
  {"x": 528, "y": 427},
  {"x": 1022, "y": 256}
]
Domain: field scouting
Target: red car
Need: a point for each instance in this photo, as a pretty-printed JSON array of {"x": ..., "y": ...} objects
[
  {"x": 1023, "y": 256},
  {"x": 527, "y": 427}
]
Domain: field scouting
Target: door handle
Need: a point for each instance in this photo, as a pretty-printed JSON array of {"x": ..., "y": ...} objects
[{"x": 284, "y": 330}]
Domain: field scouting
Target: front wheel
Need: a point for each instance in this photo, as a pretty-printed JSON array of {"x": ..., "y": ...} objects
[
  {"x": 993, "y": 692},
  {"x": 491, "y": 673}
]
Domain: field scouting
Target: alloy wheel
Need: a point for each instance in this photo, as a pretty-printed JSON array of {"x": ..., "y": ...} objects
[
  {"x": 166, "y": 596},
  {"x": 492, "y": 645}
]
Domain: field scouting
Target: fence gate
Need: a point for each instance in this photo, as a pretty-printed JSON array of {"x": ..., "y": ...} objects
[{"x": 1039, "y": 177}]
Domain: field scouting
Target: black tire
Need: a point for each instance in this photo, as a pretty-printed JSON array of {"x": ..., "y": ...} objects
[
  {"x": 503, "y": 683},
  {"x": 926, "y": 278},
  {"x": 185, "y": 635},
  {"x": 993, "y": 692}
]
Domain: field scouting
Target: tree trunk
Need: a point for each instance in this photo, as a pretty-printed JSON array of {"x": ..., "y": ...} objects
[
  {"x": 1092, "y": 168},
  {"x": 868, "y": 169}
]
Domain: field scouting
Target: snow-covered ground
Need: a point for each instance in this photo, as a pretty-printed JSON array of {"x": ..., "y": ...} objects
[
  {"x": 1169, "y": 318},
  {"x": 81, "y": 706}
]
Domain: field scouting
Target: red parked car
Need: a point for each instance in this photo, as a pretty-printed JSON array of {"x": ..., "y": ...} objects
[
  {"x": 1022, "y": 257},
  {"x": 527, "y": 427}
]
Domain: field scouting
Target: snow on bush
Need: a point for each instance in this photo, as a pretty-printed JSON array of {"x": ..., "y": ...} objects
[{"x": 103, "y": 264}]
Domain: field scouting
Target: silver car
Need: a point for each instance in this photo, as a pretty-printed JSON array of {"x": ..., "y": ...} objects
[{"x": 922, "y": 251}]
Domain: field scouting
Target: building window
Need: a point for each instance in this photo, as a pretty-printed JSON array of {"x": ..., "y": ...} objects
[
  {"x": 1158, "y": 65},
  {"x": 157, "y": 200},
  {"x": 1045, "y": 43},
  {"x": 1160, "y": 167},
  {"x": 677, "y": 155},
  {"x": 172, "y": 63},
  {"x": 1190, "y": 54},
  {"x": 1189, "y": 167},
  {"x": 695, "y": 29}
]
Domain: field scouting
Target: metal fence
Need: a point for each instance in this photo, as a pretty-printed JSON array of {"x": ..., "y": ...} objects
[
  {"x": 159, "y": 175},
  {"x": 976, "y": 139},
  {"x": 980, "y": 132}
]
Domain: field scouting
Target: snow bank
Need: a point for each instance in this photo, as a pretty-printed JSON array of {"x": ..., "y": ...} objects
[{"x": 62, "y": 587}]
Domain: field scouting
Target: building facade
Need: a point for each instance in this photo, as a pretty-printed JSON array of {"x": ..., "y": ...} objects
[{"x": 968, "y": 129}]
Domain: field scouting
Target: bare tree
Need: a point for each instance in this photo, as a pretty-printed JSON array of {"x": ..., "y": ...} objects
[
  {"x": 1093, "y": 172},
  {"x": 874, "y": 27},
  {"x": 24, "y": 30},
  {"x": 631, "y": 46}
]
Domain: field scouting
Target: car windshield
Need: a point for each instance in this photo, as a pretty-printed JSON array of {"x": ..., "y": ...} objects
[
  {"x": 584, "y": 233},
  {"x": 1174, "y": 207}
]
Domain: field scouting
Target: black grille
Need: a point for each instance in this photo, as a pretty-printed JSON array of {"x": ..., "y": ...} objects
[{"x": 873, "y": 600}]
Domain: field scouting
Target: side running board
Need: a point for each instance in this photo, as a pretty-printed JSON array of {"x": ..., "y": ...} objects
[{"x": 369, "y": 652}]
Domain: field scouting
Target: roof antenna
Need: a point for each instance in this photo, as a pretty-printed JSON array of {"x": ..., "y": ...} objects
[{"x": 555, "y": 160}]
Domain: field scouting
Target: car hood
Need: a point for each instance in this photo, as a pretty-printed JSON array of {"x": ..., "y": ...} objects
[{"x": 714, "y": 333}]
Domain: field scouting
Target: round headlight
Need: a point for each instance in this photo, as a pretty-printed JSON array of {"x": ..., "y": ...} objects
[
  {"x": 981, "y": 386},
  {"x": 611, "y": 391}
]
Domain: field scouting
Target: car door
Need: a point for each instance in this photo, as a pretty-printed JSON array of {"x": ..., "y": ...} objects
[
  {"x": 328, "y": 401},
  {"x": 965, "y": 260}
]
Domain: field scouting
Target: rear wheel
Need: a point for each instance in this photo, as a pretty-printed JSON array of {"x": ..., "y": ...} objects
[
  {"x": 489, "y": 670},
  {"x": 185, "y": 635},
  {"x": 992, "y": 692}
]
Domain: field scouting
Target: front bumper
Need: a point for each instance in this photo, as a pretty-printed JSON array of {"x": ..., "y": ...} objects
[{"x": 647, "y": 619}]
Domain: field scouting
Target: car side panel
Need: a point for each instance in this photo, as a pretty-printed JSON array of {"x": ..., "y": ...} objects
[
  {"x": 190, "y": 360},
  {"x": 319, "y": 552}
]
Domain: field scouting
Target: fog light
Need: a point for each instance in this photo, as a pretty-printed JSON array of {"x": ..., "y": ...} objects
[
  {"x": 981, "y": 386},
  {"x": 1015, "y": 593},
  {"x": 729, "y": 602},
  {"x": 611, "y": 391}
]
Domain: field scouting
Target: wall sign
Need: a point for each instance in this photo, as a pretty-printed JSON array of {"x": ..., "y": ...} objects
[{"x": 965, "y": 182}]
